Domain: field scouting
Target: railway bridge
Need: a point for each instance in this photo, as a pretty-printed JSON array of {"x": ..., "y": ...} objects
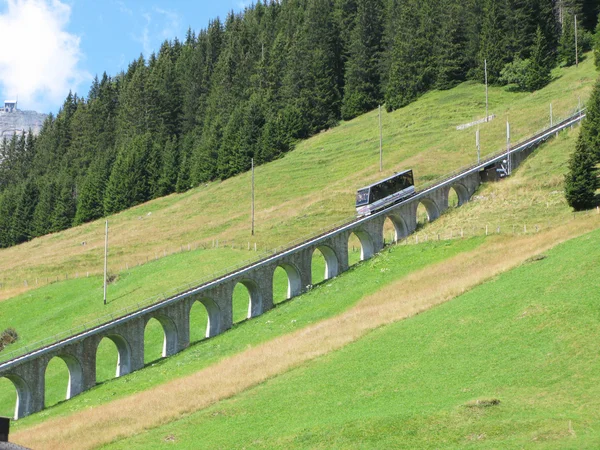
[{"x": 27, "y": 372}]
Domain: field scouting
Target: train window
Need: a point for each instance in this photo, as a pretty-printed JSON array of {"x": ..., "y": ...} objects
[{"x": 362, "y": 197}]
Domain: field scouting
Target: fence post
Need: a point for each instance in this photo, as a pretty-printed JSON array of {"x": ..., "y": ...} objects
[{"x": 486, "y": 230}]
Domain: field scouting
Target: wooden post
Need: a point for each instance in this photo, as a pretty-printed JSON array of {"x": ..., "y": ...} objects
[
  {"x": 576, "y": 49},
  {"x": 380, "y": 143},
  {"x": 105, "y": 259},
  {"x": 486, "y": 90},
  {"x": 252, "y": 162}
]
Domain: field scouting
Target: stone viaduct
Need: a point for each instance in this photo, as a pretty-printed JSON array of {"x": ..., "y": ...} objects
[{"x": 27, "y": 372}]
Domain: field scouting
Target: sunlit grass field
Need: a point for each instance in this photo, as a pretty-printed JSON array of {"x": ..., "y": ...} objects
[{"x": 510, "y": 364}]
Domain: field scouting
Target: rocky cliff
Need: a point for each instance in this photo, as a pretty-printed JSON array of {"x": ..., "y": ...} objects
[{"x": 18, "y": 121}]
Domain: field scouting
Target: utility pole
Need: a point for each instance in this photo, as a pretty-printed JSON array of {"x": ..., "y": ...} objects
[
  {"x": 486, "y": 90},
  {"x": 509, "y": 169},
  {"x": 252, "y": 196},
  {"x": 478, "y": 146},
  {"x": 380, "y": 143},
  {"x": 576, "y": 49},
  {"x": 105, "y": 259}
]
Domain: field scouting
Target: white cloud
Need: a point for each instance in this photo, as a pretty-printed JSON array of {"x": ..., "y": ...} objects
[
  {"x": 38, "y": 57},
  {"x": 159, "y": 24}
]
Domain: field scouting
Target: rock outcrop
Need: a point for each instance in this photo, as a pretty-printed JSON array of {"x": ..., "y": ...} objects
[{"x": 18, "y": 121}]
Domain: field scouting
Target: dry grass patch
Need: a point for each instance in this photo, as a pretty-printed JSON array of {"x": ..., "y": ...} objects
[{"x": 425, "y": 288}]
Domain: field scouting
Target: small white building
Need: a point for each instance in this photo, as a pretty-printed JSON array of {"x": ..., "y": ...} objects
[{"x": 10, "y": 105}]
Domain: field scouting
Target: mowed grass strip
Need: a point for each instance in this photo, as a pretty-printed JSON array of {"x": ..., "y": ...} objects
[
  {"x": 307, "y": 190},
  {"x": 415, "y": 293},
  {"x": 511, "y": 364},
  {"x": 321, "y": 302}
]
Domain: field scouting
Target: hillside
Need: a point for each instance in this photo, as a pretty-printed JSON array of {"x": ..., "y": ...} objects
[
  {"x": 291, "y": 202},
  {"x": 510, "y": 364},
  {"x": 325, "y": 302},
  {"x": 309, "y": 189}
]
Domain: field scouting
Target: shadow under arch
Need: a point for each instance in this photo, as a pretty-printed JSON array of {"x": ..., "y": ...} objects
[
  {"x": 123, "y": 352},
  {"x": 170, "y": 342},
  {"x": 400, "y": 226},
  {"x": 75, "y": 369},
  {"x": 367, "y": 249},
  {"x": 23, "y": 405},
  {"x": 255, "y": 303},
  {"x": 294, "y": 281},
  {"x": 213, "y": 324},
  {"x": 433, "y": 212},
  {"x": 331, "y": 261},
  {"x": 461, "y": 192}
]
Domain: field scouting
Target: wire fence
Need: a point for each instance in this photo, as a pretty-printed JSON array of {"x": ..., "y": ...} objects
[{"x": 182, "y": 289}]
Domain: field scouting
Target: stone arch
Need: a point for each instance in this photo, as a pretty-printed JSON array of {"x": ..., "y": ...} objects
[
  {"x": 294, "y": 281},
  {"x": 24, "y": 404},
  {"x": 213, "y": 324},
  {"x": 433, "y": 211},
  {"x": 170, "y": 342},
  {"x": 123, "y": 351},
  {"x": 331, "y": 261},
  {"x": 255, "y": 303},
  {"x": 400, "y": 226},
  {"x": 75, "y": 370},
  {"x": 367, "y": 249},
  {"x": 462, "y": 193}
]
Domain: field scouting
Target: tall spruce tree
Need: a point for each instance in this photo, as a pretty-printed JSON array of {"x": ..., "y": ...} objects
[
  {"x": 362, "y": 87},
  {"x": 581, "y": 181},
  {"x": 566, "y": 49},
  {"x": 538, "y": 70},
  {"x": 493, "y": 45}
]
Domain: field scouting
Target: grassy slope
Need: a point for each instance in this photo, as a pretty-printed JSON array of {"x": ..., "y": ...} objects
[
  {"x": 322, "y": 302},
  {"x": 528, "y": 338},
  {"x": 74, "y": 302},
  {"x": 306, "y": 190}
]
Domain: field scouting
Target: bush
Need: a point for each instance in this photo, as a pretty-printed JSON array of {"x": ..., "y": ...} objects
[{"x": 516, "y": 73}]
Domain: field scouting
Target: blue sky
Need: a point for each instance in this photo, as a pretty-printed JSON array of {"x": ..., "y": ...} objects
[{"x": 50, "y": 46}]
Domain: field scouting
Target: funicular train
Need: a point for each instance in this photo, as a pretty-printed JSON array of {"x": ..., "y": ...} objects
[{"x": 386, "y": 192}]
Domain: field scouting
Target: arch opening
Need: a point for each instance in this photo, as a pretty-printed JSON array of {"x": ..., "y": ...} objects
[
  {"x": 324, "y": 264},
  {"x": 63, "y": 379},
  {"x": 160, "y": 338},
  {"x": 112, "y": 351},
  {"x": 286, "y": 283},
  {"x": 360, "y": 247},
  {"x": 394, "y": 229},
  {"x": 246, "y": 301},
  {"x": 427, "y": 211},
  {"x": 204, "y": 319},
  {"x": 457, "y": 196},
  {"x": 15, "y": 402}
]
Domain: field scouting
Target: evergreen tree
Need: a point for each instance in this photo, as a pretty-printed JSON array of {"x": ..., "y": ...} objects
[
  {"x": 452, "y": 60},
  {"x": 170, "y": 168},
  {"x": 8, "y": 204},
  {"x": 493, "y": 46},
  {"x": 128, "y": 182},
  {"x": 597, "y": 46},
  {"x": 90, "y": 201},
  {"x": 362, "y": 86},
  {"x": 538, "y": 70},
  {"x": 566, "y": 50},
  {"x": 581, "y": 181},
  {"x": 44, "y": 210},
  {"x": 65, "y": 206},
  {"x": 22, "y": 220}
]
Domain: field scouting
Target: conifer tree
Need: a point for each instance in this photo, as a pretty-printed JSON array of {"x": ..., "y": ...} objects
[
  {"x": 493, "y": 46},
  {"x": 581, "y": 181},
  {"x": 8, "y": 203},
  {"x": 362, "y": 84},
  {"x": 597, "y": 46},
  {"x": 44, "y": 210},
  {"x": 566, "y": 49},
  {"x": 65, "y": 206},
  {"x": 90, "y": 201},
  {"x": 538, "y": 70},
  {"x": 22, "y": 220},
  {"x": 170, "y": 168}
]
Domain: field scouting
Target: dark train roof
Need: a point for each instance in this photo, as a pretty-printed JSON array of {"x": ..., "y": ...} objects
[{"x": 385, "y": 179}]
